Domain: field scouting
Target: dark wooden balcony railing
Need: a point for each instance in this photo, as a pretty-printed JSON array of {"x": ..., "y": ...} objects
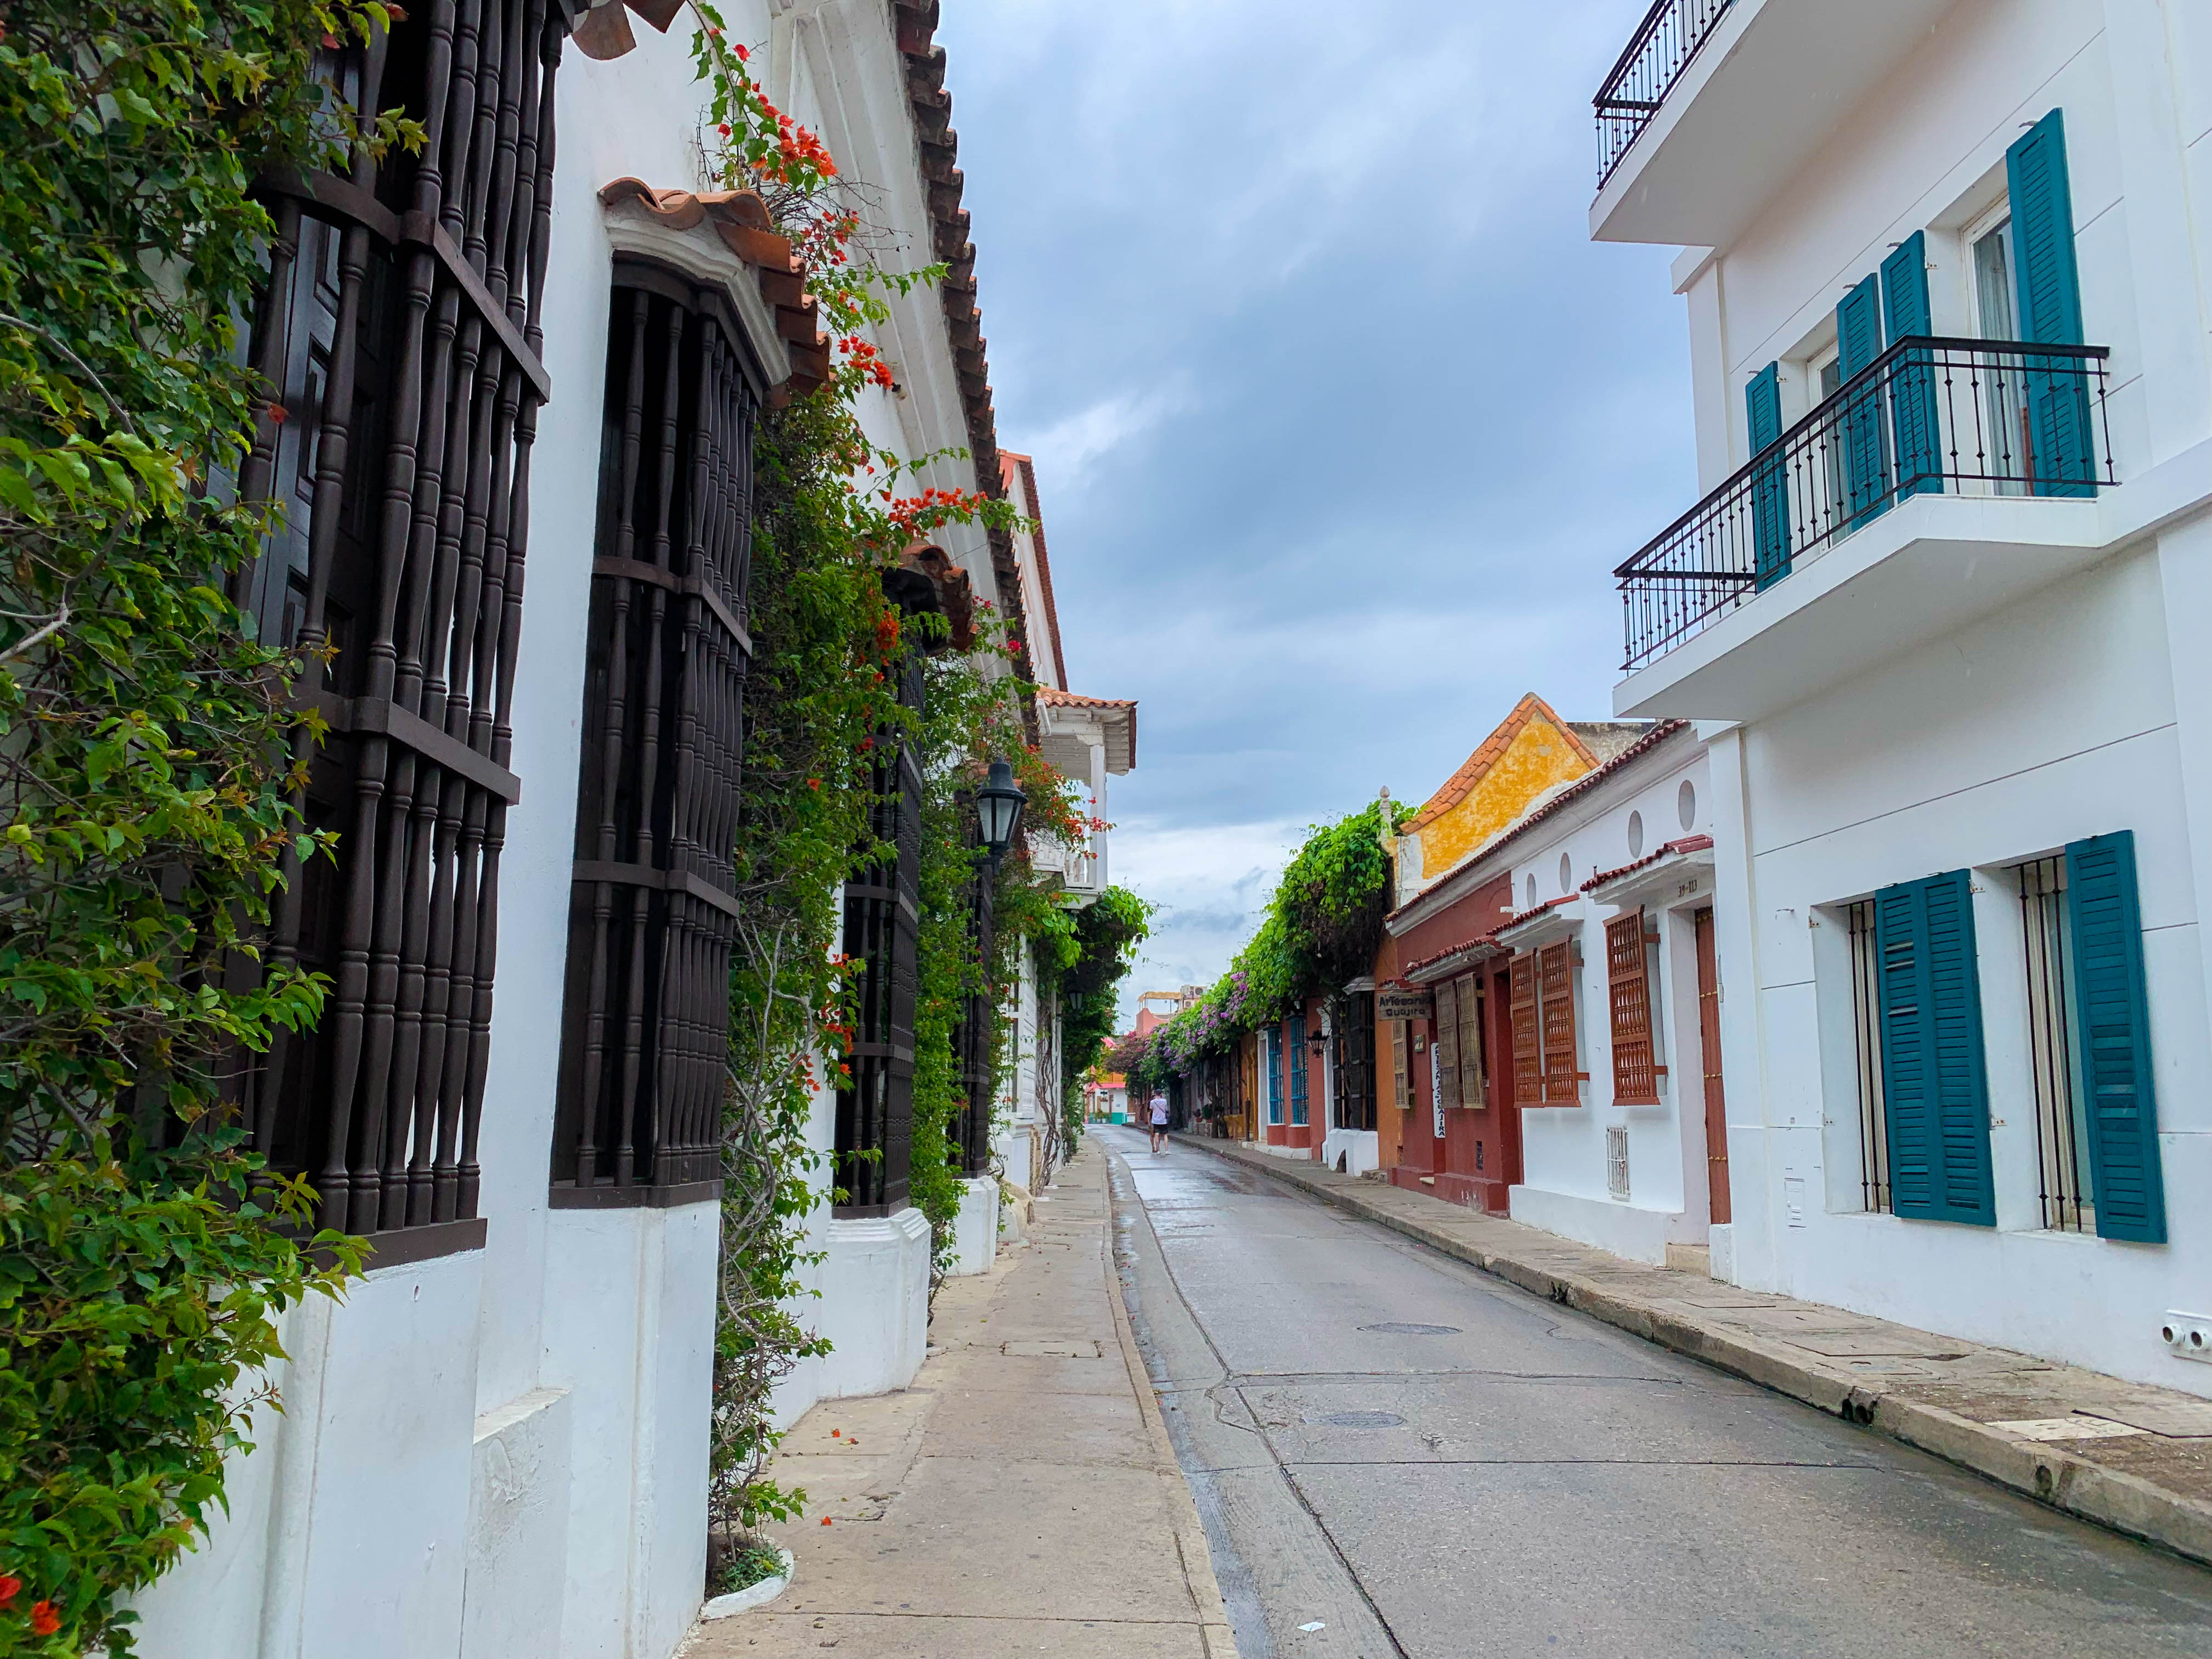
[
  {"x": 1658, "y": 52},
  {"x": 1928, "y": 416}
]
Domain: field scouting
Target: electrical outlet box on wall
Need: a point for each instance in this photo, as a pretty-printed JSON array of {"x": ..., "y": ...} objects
[{"x": 2188, "y": 1335}]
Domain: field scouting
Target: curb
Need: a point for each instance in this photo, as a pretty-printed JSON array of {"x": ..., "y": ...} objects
[
  {"x": 752, "y": 1595},
  {"x": 2111, "y": 1498}
]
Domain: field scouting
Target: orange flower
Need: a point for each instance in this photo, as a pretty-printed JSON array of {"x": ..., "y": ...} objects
[
  {"x": 8, "y": 1585},
  {"x": 45, "y": 1621}
]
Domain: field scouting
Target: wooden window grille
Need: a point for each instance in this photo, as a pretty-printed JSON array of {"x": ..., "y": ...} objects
[
  {"x": 1636, "y": 1068},
  {"x": 1447, "y": 1043},
  {"x": 1528, "y": 1033},
  {"x": 1474, "y": 1059},
  {"x": 1401, "y": 1091},
  {"x": 1555, "y": 989},
  {"x": 875, "y": 1107},
  {"x": 1353, "y": 1039},
  {"x": 398, "y": 336},
  {"x": 644, "y": 1019},
  {"x": 974, "y": 1041},
  {"x": 1866, "y": 1046}
]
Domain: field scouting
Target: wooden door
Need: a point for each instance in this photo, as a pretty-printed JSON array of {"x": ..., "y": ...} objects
[{"x": 1708, "y": 1049}]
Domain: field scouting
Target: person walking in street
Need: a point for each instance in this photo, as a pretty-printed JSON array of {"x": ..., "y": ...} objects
[{"x": 1159, "y": 1121}]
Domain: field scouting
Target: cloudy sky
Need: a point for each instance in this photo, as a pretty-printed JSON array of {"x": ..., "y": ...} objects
[{"x": 1339, "y": 419}]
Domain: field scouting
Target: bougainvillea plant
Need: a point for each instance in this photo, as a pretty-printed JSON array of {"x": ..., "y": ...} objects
[
  {"x": 833, "y": 512},
  {"x": 1323, "y": 924}
]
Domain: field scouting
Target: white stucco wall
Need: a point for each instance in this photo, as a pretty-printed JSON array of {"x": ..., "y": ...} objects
[
  {"x": 504, "y": 1451},
  {"x": 2077, "y": 709},
  {"x": 1564, "y": 1186}
]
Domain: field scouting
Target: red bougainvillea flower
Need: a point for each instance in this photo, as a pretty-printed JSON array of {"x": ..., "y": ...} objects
[
  {"x": 724, "y": 129},
  {"x": 8, "y": 1585},
  {"x": 739, "y": 47},
  {"x": 45, "y": 1621}
]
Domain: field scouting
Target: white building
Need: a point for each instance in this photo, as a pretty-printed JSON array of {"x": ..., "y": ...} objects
[
  {"x": 497, "y": 1444},
  {"x": 1086, "y": 740},
  {"x": 1940, "y": 615}
]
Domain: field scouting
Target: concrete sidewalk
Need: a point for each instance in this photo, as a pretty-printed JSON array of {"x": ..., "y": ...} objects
[
  {"x": 2147, "y": 1472},
  {"x": 1021, "y": 1497}
]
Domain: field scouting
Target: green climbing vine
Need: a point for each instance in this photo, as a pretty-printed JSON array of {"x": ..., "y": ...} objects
[
  {"x": 145, "y": 1251},
  {"x": 1323, "y": 923},
  {"x": 832, "y": 513}
]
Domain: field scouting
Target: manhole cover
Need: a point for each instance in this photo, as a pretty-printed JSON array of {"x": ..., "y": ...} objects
[
  {"x": 1397, "y": 1329},
  {"x": 1360, "y": 1419}
]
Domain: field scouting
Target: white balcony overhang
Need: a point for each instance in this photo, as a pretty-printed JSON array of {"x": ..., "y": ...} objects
[
  {"x": 1928, "y": 566},
  {"x": 1771, "y": 83}
]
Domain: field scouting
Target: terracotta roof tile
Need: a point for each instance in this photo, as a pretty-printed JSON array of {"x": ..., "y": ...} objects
[
  {"x": 740, "y": 220},
  {"x": 913, "y": 23},
  {"x": 1685, "y": 844},
  {"x": 1460, "y": 784},
  {"x": 1009, "y": 462},
  {"x": 1058, "y": 699}
]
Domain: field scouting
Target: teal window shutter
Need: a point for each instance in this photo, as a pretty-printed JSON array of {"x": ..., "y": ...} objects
[
  {"x": 2111, "y": 1013},
  {"x": 1858, "y": 425},
  {"x": 1934, "y": 1081},
  {"x": 1294, "y": 1037},
  {"x": 1912, "y": 388},
  {"x": 2048, "y": 294},
  {"x": 1769, "y": 484}
]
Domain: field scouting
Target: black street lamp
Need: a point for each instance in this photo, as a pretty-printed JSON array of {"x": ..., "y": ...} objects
[
  {"x": 1318, "y": 1040},
  {"x": 998, "y": 803}
]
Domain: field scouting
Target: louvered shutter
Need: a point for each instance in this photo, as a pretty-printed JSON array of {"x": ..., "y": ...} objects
[
  {"x": 1447, "y": 1042},
  {"x": 2112, "y": 1014},
  {"x": 2048, "y": 285},
  {"x": 1629, "y": 1001},
  {"x": 1935, "y": 1085},
  {"x": 1555, "y": 989},
  {"x": 1858, "y": 424},
  {"x": 1472, "y": 1092},
  {"x": 1769, "y": 484},
  {"x": 1296, "y": 1041},
  {"x": 1913, "y": 389},
  {"x": 1528, "y": 1036},
  {"x": 1401, "y": 1094}
]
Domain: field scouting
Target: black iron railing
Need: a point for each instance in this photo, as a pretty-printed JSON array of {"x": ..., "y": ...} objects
[
  {"x": 1928, "y": 416},
  {"x": 1658, "y": 52}
]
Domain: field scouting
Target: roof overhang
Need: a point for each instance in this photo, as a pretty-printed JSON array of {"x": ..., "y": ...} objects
[
  {"x": 1679, "y": 870},
  {"x": 1549, "y": 921}
]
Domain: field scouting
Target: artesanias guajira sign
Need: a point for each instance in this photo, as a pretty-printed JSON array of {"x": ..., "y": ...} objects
[{"x": 1405, "y": 1002}]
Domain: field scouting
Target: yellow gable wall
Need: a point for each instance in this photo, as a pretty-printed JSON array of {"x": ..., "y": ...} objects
[{"x": 1540, "y": 757}]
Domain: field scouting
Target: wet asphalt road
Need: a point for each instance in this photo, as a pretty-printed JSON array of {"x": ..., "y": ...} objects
[{"x": 1424, "y": 1460}]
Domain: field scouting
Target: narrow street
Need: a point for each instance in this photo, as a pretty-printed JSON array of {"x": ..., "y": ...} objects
[{"x": 1394, "y": 1454}]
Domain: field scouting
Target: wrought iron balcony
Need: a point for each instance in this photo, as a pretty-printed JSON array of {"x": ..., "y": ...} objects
[
  {"x": 1658, "y": 52},
  {"x": 1928, "y": 416}
]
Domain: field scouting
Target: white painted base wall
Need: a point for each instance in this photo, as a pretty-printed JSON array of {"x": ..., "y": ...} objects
[
  {"x": 975, "y": 1233},
  {"x": 1636, "y": 1235},
  {"x": 1358, "y": 1148},
  {"x": 875, "y": 1304},
  {"x": 636, "y": 1356},
  {"x": 1014, "y": 1148},
  {"x": 1722, "y": 1239}
]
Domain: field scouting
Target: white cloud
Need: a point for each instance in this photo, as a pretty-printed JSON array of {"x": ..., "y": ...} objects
[{"x": 1069, "y": 450}]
